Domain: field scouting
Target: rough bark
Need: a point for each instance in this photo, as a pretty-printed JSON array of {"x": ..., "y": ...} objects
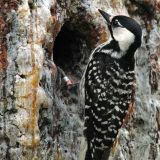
[{"x": 40, "y": 117}]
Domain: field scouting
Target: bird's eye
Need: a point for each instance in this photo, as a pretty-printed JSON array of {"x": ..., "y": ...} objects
[{"x": 115, "y": 23}]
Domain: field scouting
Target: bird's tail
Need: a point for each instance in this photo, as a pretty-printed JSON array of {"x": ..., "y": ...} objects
[
  {"x": 96, "y": 154},
  {"x": 105, "y": 155}
]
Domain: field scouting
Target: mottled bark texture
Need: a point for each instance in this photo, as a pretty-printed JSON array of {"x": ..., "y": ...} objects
[{"x": 40, "y": 117}]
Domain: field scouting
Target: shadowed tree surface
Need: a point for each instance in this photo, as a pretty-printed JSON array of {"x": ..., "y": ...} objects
[{"x": 40, "y": 117}]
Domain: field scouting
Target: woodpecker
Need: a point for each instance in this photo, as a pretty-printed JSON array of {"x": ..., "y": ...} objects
[{"x": 109, "y": 85}]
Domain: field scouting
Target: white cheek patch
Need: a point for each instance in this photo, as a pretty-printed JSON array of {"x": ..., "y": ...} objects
[{"x": 124, "y": 37}]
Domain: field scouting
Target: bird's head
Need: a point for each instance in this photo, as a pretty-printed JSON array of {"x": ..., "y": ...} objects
[{"x": 125, "y": 30}]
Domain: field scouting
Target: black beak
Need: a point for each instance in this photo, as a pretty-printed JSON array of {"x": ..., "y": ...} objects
[{"x": 106, "y": 16}]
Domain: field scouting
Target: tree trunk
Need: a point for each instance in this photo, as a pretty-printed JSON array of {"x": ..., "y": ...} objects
[{"x": 45, "y": 41}]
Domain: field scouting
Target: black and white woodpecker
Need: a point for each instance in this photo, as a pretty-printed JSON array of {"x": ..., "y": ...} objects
[{"x": 109, "y": 85}]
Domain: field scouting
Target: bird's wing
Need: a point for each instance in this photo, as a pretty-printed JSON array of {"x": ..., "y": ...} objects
[{"x": 108, "y": 92}]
